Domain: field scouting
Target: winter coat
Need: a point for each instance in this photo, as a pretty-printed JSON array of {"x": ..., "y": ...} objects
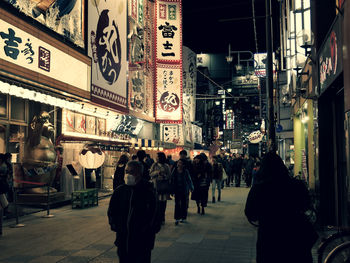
[
  {"x": 217, "y": 171},
  {"x": 160, "y": 171},
  {"x": 118, "y": 178},
  {"x": 133, "y": 215},
  {"x": 183, "y": 177},
  {"x": 279, "y": 209},
  {"x": 4, "y": 186}
]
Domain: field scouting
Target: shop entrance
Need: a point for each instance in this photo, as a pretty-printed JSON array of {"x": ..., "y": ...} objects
[{"x": 332, "y": 162}]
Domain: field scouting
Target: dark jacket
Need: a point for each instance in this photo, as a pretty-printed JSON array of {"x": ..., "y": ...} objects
[
  {"x": 217, "y": 171},
  {"x": 279, "y": 209},
  {"x": 134, "y": 216},
  {"x": 182, "y": 181},
  {"x": 118, "y": 178},
  {"x": 4, "y": 186}
]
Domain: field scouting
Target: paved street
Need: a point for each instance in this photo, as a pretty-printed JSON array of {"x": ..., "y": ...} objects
[{"x": 222, "y": 235}]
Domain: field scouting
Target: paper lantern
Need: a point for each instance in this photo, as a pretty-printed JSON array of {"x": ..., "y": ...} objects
[{"x": 91, "y": 157}]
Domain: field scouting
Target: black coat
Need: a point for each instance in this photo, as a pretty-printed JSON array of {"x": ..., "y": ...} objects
[
  {"x": 4, "y": 186},
  {"x": 134, "y": 216},
  {"x": 279, "y": 209}
]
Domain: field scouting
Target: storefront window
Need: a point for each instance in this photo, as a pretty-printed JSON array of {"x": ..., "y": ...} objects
[
  {"x": 17, "y": 109},
  {"x": 17, "y": 138},
  {"x": 3, "y": 105},
  {"x": 2, "y": 138},
  {"x": 35, "y": 108}
]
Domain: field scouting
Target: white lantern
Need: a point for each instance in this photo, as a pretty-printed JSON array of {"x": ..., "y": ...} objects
[{"x": 91, "y": 157}]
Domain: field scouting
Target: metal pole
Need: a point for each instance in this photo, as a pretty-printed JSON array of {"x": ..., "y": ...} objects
[
  {"x": 269, "y": 80},
  {"x": 48, "y": 204},
  {"x": 16, "y": 209}
]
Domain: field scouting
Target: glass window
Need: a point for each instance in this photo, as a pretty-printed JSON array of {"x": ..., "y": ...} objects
[
  {"x": 17, "y": 109},
  {"x": 17, "y": 137},
  {"x": 3, "y": 105}
]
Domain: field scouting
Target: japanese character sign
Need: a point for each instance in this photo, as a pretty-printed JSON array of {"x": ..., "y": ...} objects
[
  {"x": 168, "y": 94},
  {"x": 107, "y": 27},
  {"x": 169, "y": 30},
  {"x": 171, "y": 133}
]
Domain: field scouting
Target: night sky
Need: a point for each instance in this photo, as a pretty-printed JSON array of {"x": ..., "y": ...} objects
[{"x": 209, "y": 26}]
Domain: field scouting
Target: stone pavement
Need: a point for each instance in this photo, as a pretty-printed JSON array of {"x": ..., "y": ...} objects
[{"x": 222, "y": 235}]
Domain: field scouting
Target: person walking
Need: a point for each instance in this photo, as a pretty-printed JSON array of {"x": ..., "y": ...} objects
[
  {"x": 160, "y": 171},
  {"x": 201, "y": 183},
  {"x": 278, "y": 204},
  {"x": 4, "y": 188},
  {"x": 133, "y": 215},
  {"x": 237, "y": 169},
  {"x": 141, "y": 155},
  {"x": 182, "y": 182},
  {"x": 217, "y": 175},
  {"x": 118, "y": 178}
]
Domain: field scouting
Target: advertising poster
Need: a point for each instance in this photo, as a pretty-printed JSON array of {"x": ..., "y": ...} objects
[
  {"x": 80, "y": 123},
  {"x": 64, "y": 17},
  {"x": 168, "y": 93},
  {"x": 137, "y": 89},
  {"x": 27, "y": 51},
  {"x": 189, "y": 81},
  {"x": 91, "y": 125},
  {"x": 168, "y": 31},
  {"x": 172, "y": 133},
  {"x": 168, "y": 45},
  {"x": 107, "y": 46}
]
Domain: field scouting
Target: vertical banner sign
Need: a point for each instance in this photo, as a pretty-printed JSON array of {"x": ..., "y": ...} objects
[
  {"x": 107, "y": 37},
  {"x": 172, "y": 133},
  {"x": 168, "y": 95},
  {"x": 189, "y": 91},
  {"x": 137, "y": 89},
  {"x": 168, "y": 51}
]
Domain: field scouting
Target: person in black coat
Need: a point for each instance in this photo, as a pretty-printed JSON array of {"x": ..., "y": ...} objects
[
  {"x": 118, "y": 178},
  {"x": 201, "y": 182},
  {"x": 4, "y": 188},
  {"x": 133, "y": 215},
  {"x": 278, "y": 203},
  {"x": 182, "y": 186}
]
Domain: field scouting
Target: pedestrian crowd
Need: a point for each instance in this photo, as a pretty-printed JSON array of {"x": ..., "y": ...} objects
[{"x": 142, "y": 188}]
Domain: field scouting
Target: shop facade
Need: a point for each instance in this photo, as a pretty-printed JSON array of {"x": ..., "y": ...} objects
[{"x": 332, "y": 165}]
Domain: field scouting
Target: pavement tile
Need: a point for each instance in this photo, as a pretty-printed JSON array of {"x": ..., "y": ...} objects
[
  {"x": 163, "y": 243},
  {"x": 105, "y": 260},
  {"x": 90, "y": 253},
  {"x": 72, "y": 259},
  {"x": 218, "y": 237},
  {"x": 18, "y": 259},
  {"x": 46, "y": 259},
  {"x": 61, "y": 252},
  {"x": 190, "y": 238}
]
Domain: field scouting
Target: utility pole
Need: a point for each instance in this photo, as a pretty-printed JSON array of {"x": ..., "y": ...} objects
[{"x": 271, "y": 133}]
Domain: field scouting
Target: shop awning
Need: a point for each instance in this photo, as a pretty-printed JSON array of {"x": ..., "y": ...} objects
[{"x": 146, "y": 143}]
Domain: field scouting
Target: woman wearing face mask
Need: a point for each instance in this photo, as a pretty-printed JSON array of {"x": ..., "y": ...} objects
[{"x": 133, "y": 215}]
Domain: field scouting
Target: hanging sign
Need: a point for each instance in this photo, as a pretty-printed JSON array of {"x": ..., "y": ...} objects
[
  {"x": 168, "y": 31},
  {"x": 255, "y": 137},
  {"x": 107, "y": 29},
  {"x": 27, "y": 51},
  {"x": 330, "y": 58},
  {"x": 168, "y": 93}
]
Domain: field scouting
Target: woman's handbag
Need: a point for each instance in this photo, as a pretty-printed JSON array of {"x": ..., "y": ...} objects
[
  {"x": 3, "y": 201},
  {"x": 164, "y": 186},
  {"x": 224, "y": 175}
]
